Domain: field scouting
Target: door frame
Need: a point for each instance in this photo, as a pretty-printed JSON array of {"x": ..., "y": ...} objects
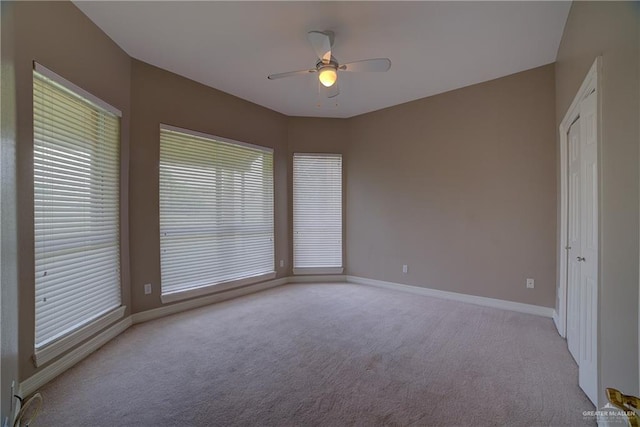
[{"x": 591, "y": 84}]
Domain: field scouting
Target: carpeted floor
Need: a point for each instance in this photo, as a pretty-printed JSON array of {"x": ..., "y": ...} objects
[{"x": 326, "y": 355}]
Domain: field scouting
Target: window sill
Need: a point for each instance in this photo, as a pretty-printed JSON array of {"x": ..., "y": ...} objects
[
  {"x": 212, "y": 289},
  {"x": 56, "y": 348},
  {"x": 317, "y": 270}
]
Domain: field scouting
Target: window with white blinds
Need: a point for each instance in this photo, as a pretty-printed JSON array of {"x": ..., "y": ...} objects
[
  {"x": 76, "y": 166},
  {"x": 216, "y": 213},
  {"x": 317, "y": 213}
]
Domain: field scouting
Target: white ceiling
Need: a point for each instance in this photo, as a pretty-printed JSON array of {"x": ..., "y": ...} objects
[{"x": 434, "y": 46}]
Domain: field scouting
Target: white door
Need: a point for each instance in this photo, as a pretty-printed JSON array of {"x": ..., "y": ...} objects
[
  {"x": 573, "y": 241},
  {"x": 587, "y": 363}
]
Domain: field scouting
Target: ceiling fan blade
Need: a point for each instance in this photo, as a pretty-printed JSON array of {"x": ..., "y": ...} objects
[
  {"x": 321, "y": 41},
  {"x": 329, "y": 92},
  {"x": 376, "y": 65},
  {"x": 290, "y": 73}
]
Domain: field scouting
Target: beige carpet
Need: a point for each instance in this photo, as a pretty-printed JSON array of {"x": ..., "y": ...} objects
[{"x": 326, "y": 355}]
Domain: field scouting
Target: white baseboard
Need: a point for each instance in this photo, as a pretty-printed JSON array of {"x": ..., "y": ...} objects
[
  {"x": 48, "y": 373},
  {"x": 472, "y": 299},
  {"x": 318, "y": 278},
  {"x": 156, "y": 313}
]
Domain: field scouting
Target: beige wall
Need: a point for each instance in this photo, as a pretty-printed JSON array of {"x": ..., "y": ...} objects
[
  {"x": 317, "y": 135},
  {"x": 610, "y": 29},
  {"x": 8, "y": 216},
  {"x": 461, "y": 188},
  {"x": 159, "y": 96},
  {"x": 63, "y": 39}
]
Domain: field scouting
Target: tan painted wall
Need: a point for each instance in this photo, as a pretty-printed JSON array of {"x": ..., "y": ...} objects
[
  {"x": 68, "y": 43},
  {"x": 159, "y": 96},
  {"x": 461, "y": 188},
  {"x": 610, "y": 29},
  {"x": 8, "y": 217},
  {"x": 318, "y": 135}
]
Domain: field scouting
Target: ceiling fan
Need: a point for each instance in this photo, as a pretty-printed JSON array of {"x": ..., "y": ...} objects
[{"x": 327, "y": 66}]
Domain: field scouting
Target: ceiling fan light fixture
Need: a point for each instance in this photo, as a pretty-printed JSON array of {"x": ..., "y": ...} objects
[
  {"x": 328, "y": 76},
  {"x": 327, "y": 65}
]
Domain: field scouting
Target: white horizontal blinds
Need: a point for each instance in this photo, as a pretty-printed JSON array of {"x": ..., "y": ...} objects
[
  {"x": 216, "y": 211},
  {"x": 317, "y": 210},
  {"x": 76, "y": 210}
]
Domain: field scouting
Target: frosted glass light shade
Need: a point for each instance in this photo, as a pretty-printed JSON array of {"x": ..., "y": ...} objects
[{"x": 328, "y": 76}]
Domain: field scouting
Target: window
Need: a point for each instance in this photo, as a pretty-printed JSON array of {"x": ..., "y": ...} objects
[
  {"x": 317, "y": 213},
  {"x": 216, "y": 213},
  {"x": 76, "y": 212}
]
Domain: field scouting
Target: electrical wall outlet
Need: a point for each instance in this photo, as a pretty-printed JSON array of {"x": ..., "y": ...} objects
[
  {"x": 530, "y": 283},
  {"x": 147, "y": 288},
  {"x": 281, "y": 263},
  {"x": 405, "y": 268}
]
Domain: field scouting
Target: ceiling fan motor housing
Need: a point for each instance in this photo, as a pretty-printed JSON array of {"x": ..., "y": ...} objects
[{"x": 333, "y": 63}]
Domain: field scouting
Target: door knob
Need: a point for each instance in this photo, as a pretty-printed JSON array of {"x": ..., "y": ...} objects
[{"x": 581, "y": 259}]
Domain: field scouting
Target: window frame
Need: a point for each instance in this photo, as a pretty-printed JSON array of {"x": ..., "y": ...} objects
[
  {"x": 83, "y": 331},
  {"x": 178, "y": 295},
  {"x": 329, "y": 270}
]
